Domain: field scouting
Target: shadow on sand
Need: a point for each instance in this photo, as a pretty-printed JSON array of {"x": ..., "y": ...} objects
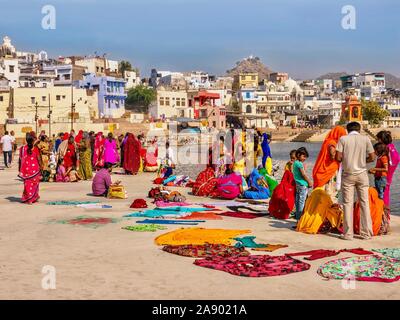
[{"x": 14, "y": 199}]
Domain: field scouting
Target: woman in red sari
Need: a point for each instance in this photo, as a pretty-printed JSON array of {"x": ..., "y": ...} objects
[
  {"x": 132, "y": 149},
  {"x": 98, "y": 156},
  {"x": 30, "y": 171}
]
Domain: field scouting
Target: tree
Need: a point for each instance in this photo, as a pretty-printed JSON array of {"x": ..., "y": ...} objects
[
  {"x": 124, "y": 66},
  {"x": 141, "y": 96},
  {"x": 373, "y": 112}
]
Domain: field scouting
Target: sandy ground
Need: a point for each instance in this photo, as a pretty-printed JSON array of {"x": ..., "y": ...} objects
[{"x": 111, "y": 263}]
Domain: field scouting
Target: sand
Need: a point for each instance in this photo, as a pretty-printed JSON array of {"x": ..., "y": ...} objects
[{"x": 111, "y": 263}]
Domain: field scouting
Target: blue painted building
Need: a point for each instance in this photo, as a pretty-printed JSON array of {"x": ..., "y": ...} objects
[{"x": 110, "y": 91}]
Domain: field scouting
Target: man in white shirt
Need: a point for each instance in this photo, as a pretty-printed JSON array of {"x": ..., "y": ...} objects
[
  {"x": 7, "y": 146},
  {"x": 354, "y": 151}
]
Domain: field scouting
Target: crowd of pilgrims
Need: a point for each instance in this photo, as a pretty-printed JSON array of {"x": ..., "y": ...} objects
[{"x": 238, "y": 167}]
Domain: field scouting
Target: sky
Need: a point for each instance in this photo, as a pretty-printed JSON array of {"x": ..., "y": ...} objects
[{"x": 302, "y": 37}]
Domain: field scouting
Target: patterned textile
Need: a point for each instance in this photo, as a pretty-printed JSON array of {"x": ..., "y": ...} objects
[
  {"x": 69, "y": 202},
  {"x": 87, "y": 221},
  {"x": 393, "y": 253},
  {"x": 85, "y": 158},
  {"x": 205, "y": 183},
  {"x": 254, "y": 265},
  {"x": 245, "y": 215},
  {"x": 30, "y": 173},
  {"x": 322, "y": 253},
  {"x": 199, "y": 236},
  {"x": 170, "y": 212},
  {"x": 206, "y": 250},
  {"x": 271, "y": 247},
  {"x": 145, "y": 228},
  {"x": 366, "y": 268}
]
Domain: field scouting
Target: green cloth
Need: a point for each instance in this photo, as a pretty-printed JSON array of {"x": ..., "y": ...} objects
[
  {"x": 70, "y": 202},
  {"x": 248, "y": 242},
  {"x": 271, "y": 181},
  {"x": 389, "y": 252},
  {"x": 145, "y": 228},
  {"x": 297, "y": 166},
  {"x": 85, "y": 161}
]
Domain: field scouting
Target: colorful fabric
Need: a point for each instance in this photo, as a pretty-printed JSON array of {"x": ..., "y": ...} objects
[
  {"x": 70, "y": 157},
  {"x": 366, "y": 268},
  {"x": 267, "y": 157},
  {"x": 30, "y": 174},
  {"x": 163, "y": 204},
  {"x": 139, "y": 203},
  {"x": 325, "y": 167},
  {"x": 44, "y": 149},
  {"x": 318, "y": 209},
  {"x": 206, "y": 250},
  {"x": 381, "y": 162},
  {"x": 171, "y": 212},
  {"x": 376, "y": 207},
  {"x": 258, "y": 188},
  {"x": 323, "y": 253},
  {"x": 283, "y": 198},
  {"x": 101, "y": 182},
  {"x": 228, "y": 186},
  {"x": 150, "y": 160},
  {"x": 110, "y": 151},
  {"x": 69, "y": 202},
  {"x": 271, "y": 181},
  {"x": 202, "y": 215},
  {"x": 298, "y": 176},
  {"x": 394, "y": 159},
  {"x": 145, "y": 228},
  {"x": 393, "y": 253},
  {"x": 195, "y": 236},
  {"x": 163, "y": 221},
  {"x": 85, "y": 160},
  {"x": 248, "y": 242},
  {"x": 87, "y": 221},
  {"x": 132, "y": 149},
  {"x": 205, "y": 183},
  {"x": 98, "y": 156},
  {"x": 271, "y": 247},
  {"x": 254, "y": 265},
  {"x": 240, "y": 214}
]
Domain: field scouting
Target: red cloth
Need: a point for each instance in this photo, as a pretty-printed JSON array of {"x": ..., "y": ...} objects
[
  {"x": 70, "y": 159},
  {"x": 283, "y": 198},
  {"x": 205, "y": 183},
  {"x": 98, "y": 157},
  {"x": 139, "y": 203},
  {"x": 79, "y": 136},
  {"x": 132, "y": 149},
  {"x": 323, "y": 253},
  {"x": 245, "y": 215},
  {"x": 30, "y": 173}
]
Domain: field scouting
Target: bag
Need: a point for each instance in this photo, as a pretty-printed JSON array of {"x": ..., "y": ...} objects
[{"x": 116, "y": 192}]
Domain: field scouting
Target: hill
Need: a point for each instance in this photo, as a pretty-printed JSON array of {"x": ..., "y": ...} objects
[{"x": 250, "y": 64}]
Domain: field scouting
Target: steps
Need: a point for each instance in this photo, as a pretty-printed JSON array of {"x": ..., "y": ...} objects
[
  {"x": 370, "y": 133},
  {"x": 304, "y": 136}
]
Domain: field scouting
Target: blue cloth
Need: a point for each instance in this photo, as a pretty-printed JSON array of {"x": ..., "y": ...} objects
[
  {"x": 380, "y": 186},
  {"x": 162, "y": 221},
  {"x": 301, "y": 196},
  {"x": 256, "y": 191},
  {"x": 57, "y": 144},
  {"x": 266, "y": 149},
  {"x": 169, "y": 179},
  {"x": 160, "y": 212}
]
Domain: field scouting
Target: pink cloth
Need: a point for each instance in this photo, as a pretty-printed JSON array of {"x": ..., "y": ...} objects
[
  {"x": 110, "y": 151},
  {"x": 394, "y": 159},
  {"x": 163, "y": 204},
  {"x": 228, "y": 186},
  {"x": 61, "y": 174}
]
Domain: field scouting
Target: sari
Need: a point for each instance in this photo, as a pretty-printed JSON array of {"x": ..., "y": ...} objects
[
  {"x": 283, "y": 198},
  {"x": 205, "y": 183},
  {"x": 376, "y": 207},
  {"x": 110, "y": 151},
  {"x": 30, "y": 173},
  {"x": 79, "y": 137},
  {"x": 394, "y": 159},
  {"x": 62, "y": 175},
  {"x": 67, "y": 152},
  {"x": 228, "y": 186},
  {"x": 325, "y": 168},
  {"x": 267, "y": 157},
  {"x": 132, "y": 148},
  {"x": 98, "y": 156},
  {"x": 85, "y": 156},
  {"x": 44, "y": 148},
  {"x": 150, "y": 159},
  {"x": 257, "y": 190}
]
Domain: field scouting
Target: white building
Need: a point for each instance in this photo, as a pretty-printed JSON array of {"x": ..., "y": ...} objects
[
  {"x": 132, "y": 79},
  {"x": 9, "y": 69}
]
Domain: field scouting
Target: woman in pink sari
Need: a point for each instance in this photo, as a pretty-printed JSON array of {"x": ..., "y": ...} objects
[
  {"x": 394, "y": 159},
  {"x": 110, "y": 150},
  {"x": 229, "y": 186},
  {"x": 30, "y": 171},
  {"x": 98, "y": 157}
]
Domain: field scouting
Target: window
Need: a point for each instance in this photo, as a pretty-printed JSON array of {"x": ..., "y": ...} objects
[
  {"x": 167, "y": 101},
  {"x": 214, "y": 124},
  {"x": 243, "y": 78},
  {"x": 11, "y": 68},
  {"x": 26, "y": 84},
  {"x": 222, "y": 124},
  {"x": 67, "y": 77},
  {"x": 178, "y": 102},
  {"x": 63, "y": 97},
  {"x": 248, "y": 108},
  {"x": 161, "y": 101},
  {"x": 43, "y": 98},
  {"x": 1, "y": 98},
  {"x": 97, "y": 69},
  {"x": 58, "y": 97},
  {"x": 253, "y": 77},
  {"x": 33, "y": 99},
  {"x": 45, "y": 85}
]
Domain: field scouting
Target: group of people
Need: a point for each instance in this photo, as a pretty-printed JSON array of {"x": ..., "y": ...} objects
[
  {"x": 9, "y": 146},
  {"x": 71, "y": 157}
]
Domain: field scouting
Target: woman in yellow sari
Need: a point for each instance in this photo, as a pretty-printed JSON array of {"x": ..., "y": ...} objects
[
  {"x": 85, "y": 158},
  {"x": 44, "y": 148}
]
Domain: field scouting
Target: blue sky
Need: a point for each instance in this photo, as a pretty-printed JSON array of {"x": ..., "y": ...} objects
[{"x": 301, "y": 37}]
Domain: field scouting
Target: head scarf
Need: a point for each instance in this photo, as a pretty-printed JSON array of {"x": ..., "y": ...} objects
[
  {"x": 325, "y": 168},
  {"x": 66, "y": 136},
  {"x": 79, "y": 136}
]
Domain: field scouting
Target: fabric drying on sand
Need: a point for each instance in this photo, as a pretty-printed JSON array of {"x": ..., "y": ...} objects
[
  {"x": 271, "y": 247},
  {"x": 232, "y": 203},
  {"x": 70, "y": 202},
  {"x": 241, "y": 214},
  {"x": 199, "y": 236},
  {"x": 145, "y": 228},
  {"x": 323, "y": 253},
  {"x": 365, "y": 268},
  {"x": 248, "y": 242},
  {"x": 94, "y": 206},
  {"x": 163, "y": 221},
  {"x": 171, "y": 212},
  {"x": 393, "y": 253},
  {"x": 254, "y": 265},
  {"x": 88, "y": 221},
  {"x": 206, "y": 250},
  {"x": 163, "y": 204},
  {"x": 202, "y": 215}
]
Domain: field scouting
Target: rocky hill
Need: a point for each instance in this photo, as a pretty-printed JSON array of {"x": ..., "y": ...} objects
[
  {"x": 250, "y": 64},
  {"x": 391, "y": 80}
]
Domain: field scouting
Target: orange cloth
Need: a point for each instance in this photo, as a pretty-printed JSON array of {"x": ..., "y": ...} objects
[
  {"x": 325, "y": 168},
  {"x": 376, "y": 206},
  {"x": 206, "y": 215},
  {"x": 380, "y": 164},
  {"x": 194, "y": 236},
  {"x": 271, "y": 247}
]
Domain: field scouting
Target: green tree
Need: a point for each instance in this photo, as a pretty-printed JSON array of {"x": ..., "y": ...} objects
[
  {"x": 141, "y": 96},
  {"x": 373, "y": 112},
  {"x": 124, "y": 66}
]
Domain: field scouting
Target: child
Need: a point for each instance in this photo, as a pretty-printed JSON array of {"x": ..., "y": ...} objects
[
  {"x": 381, "y": 169},
  {"x": 302, "y": 181},
  {"x": 289, "y": 164},
  {"x": 62, "y": 174}
]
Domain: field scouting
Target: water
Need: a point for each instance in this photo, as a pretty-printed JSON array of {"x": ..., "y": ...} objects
[{"x": 280, "y": 153}]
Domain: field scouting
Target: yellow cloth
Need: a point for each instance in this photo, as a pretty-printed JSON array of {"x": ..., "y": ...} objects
[
  {"x": 116, "y": 192},
  {"x": 317, "y": 209},
  {"x": 198, "y": 236},
  {"x": 268, "y": 165},
  {"x": 141, "y": 165},
  {"x": 240, "y": 166}
]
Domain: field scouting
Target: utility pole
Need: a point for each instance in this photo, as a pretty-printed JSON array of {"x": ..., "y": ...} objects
[
  {"x": 49, "y": 117},
  {"x": 36, "y": 117},
  {"x": 72, "y": 106}
]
